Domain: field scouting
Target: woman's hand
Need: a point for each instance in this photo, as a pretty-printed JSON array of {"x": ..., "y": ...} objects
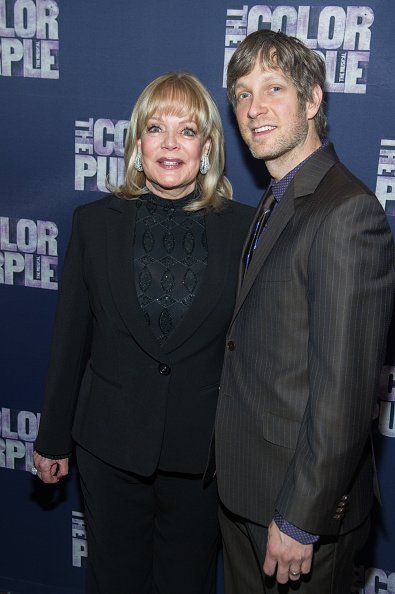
[{"x": 50, "y": 471}]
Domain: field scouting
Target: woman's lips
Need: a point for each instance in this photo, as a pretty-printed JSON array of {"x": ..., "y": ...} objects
[{"x": 170, "y": 163}]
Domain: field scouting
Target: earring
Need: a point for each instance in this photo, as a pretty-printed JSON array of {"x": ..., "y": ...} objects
[
  {"x": 204, "y": 164},
  {"x": 137, "y": 162}
]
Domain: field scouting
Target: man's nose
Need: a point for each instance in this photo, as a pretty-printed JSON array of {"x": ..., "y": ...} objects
[{"x": 258, "y": 106}]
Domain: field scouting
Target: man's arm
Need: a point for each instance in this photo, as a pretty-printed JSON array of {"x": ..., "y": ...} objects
[{"x": 350, "y": 286}]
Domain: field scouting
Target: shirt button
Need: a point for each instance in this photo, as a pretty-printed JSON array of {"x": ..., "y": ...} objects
[
  {"x": 163, "y": 369},
  {"x": 231, "y": 345}
]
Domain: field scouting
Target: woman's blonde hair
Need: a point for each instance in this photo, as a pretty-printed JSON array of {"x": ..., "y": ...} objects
[{"x": 181, "y": 94}]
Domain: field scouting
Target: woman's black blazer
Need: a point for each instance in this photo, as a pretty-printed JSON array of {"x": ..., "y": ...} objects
[{"x": 111, "y": 387}]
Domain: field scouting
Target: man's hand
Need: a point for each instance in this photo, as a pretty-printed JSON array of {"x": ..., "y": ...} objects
[
  {"x": 50, "y": 471},
  {"x": 290, "y": 556}
]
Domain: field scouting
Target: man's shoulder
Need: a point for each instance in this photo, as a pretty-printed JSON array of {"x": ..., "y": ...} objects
[
  {"x": 332, "y": 176},
  {"x": 347, "y": 180},
  {"x": 337, "y": 170}
]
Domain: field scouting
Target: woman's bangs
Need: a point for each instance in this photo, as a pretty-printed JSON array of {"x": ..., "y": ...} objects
[{"x": 179, "y": 101}]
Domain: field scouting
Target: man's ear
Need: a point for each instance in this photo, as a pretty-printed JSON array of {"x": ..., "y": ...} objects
[{"x": 313, "y": 104}]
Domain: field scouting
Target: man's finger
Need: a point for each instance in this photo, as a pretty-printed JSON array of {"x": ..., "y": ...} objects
[
  {"x": 306, "y": 565},
  {"x": 282, "y": 572},
  {"x": 294, "y": 573},
  {"x": 269, "y": 565}
]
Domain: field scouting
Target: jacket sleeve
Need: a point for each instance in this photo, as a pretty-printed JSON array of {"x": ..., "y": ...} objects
[
  {"x": 349, "y": 291},
  {"x": 69, "y": 353}
]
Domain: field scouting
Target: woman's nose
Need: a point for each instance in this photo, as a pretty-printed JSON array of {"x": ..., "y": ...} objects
[{"x": 170, "y": 140}]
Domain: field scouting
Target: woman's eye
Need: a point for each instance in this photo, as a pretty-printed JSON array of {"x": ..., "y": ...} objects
[
  {"x": 188, "y": 131},
  {"x": 153, "y": 129},
  {"x": 276, "y": 89}
]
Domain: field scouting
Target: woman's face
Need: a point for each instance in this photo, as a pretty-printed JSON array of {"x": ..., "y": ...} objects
[{"x": 171, "y": 149}]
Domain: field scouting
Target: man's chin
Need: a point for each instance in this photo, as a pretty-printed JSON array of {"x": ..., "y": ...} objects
[{"x": 260, "y": 154}]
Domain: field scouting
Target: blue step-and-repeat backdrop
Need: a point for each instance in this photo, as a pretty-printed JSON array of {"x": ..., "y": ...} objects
[{"x": 70, "y": 72}]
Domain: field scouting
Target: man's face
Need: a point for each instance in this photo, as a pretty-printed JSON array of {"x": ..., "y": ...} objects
[{"x": 271, "y": 120}]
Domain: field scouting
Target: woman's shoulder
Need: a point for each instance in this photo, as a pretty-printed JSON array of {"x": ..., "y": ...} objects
[
  {"x": 240, "y": 207},
  {"x": 234, "y": 218},
  {"x": 99, "y": 206},
  {"x": 238, "y": 210}
]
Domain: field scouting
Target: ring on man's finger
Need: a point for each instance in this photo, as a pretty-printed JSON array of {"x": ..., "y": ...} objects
[
  {"x": 294, "y": 573},
  {"x": 34, "y": 470}
]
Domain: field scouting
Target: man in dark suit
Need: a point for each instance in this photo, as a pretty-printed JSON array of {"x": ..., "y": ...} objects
[{"x": 306, "y": 342}]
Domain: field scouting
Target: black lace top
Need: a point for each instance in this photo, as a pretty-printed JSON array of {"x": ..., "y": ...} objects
[{"x": 170, "y": 258}]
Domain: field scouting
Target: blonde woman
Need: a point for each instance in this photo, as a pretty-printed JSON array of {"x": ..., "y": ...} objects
[{"x": 146, "y": 296}]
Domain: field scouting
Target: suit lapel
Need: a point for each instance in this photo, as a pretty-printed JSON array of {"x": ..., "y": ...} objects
[
  {"x": 278, "y": 221},
  {"x": 120, "y": 265},
  {"x": 303, "y": 184},
  {"x": 219, "y": 238}
]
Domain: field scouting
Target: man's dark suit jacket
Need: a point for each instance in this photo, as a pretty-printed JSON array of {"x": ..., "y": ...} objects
[
  {"x": 110, "y": 386},
  {"x": 305, "y": 348}
]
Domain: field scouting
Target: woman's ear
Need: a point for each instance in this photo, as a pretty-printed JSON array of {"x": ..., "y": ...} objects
[{"x": 206, "y": 147}]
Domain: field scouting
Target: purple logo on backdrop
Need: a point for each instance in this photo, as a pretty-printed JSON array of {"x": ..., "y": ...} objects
[
  {"x": 378, "y": 581},
  {"x": 28, "y": 253},
  {"x": 99, "y": 149},
  {"x": 29, "y": 38},
  {"x": 341, "y": 35},
  {"x": 18, "y": 432},
  {"x": 385, "y": 184},
  {"x": 387, "y": 401},
  {"x": 78, "y": 534}
]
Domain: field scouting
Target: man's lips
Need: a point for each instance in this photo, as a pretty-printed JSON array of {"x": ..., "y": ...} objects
[{"x": 263, "y": 129}]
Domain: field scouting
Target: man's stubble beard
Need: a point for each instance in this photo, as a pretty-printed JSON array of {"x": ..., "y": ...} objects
[{"x": 285, "y": 144}]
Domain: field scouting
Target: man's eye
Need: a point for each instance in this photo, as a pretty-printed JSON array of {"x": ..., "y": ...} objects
[
  {"x": 276, "y": 89},
  {"x": 188, "y": 131},
  {"x": 243, "y": 95}
]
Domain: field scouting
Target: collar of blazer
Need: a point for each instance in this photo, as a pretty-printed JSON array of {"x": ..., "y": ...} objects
[
  {"x": 120, "y": 225},
  {"x": 304, "y": 183}
]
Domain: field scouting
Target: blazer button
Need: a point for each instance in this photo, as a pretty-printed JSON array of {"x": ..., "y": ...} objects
[
  {"x": 163, "y": 369},
  {"x": 231, "y": 345}
]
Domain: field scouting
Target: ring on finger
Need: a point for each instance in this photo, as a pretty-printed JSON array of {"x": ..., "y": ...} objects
[
  {"x": 294, "y": 573},
  {"x": 34, "y": 470}
]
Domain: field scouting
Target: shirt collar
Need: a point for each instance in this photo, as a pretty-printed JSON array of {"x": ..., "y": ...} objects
[{"x": 278, "y": 188}]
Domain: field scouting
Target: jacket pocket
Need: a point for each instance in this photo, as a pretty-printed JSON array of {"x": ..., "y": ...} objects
[
  {"x": 104, "y": 378},
  {"x": 280, "y": 430},
  {"x": 209, "y": 387}
]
